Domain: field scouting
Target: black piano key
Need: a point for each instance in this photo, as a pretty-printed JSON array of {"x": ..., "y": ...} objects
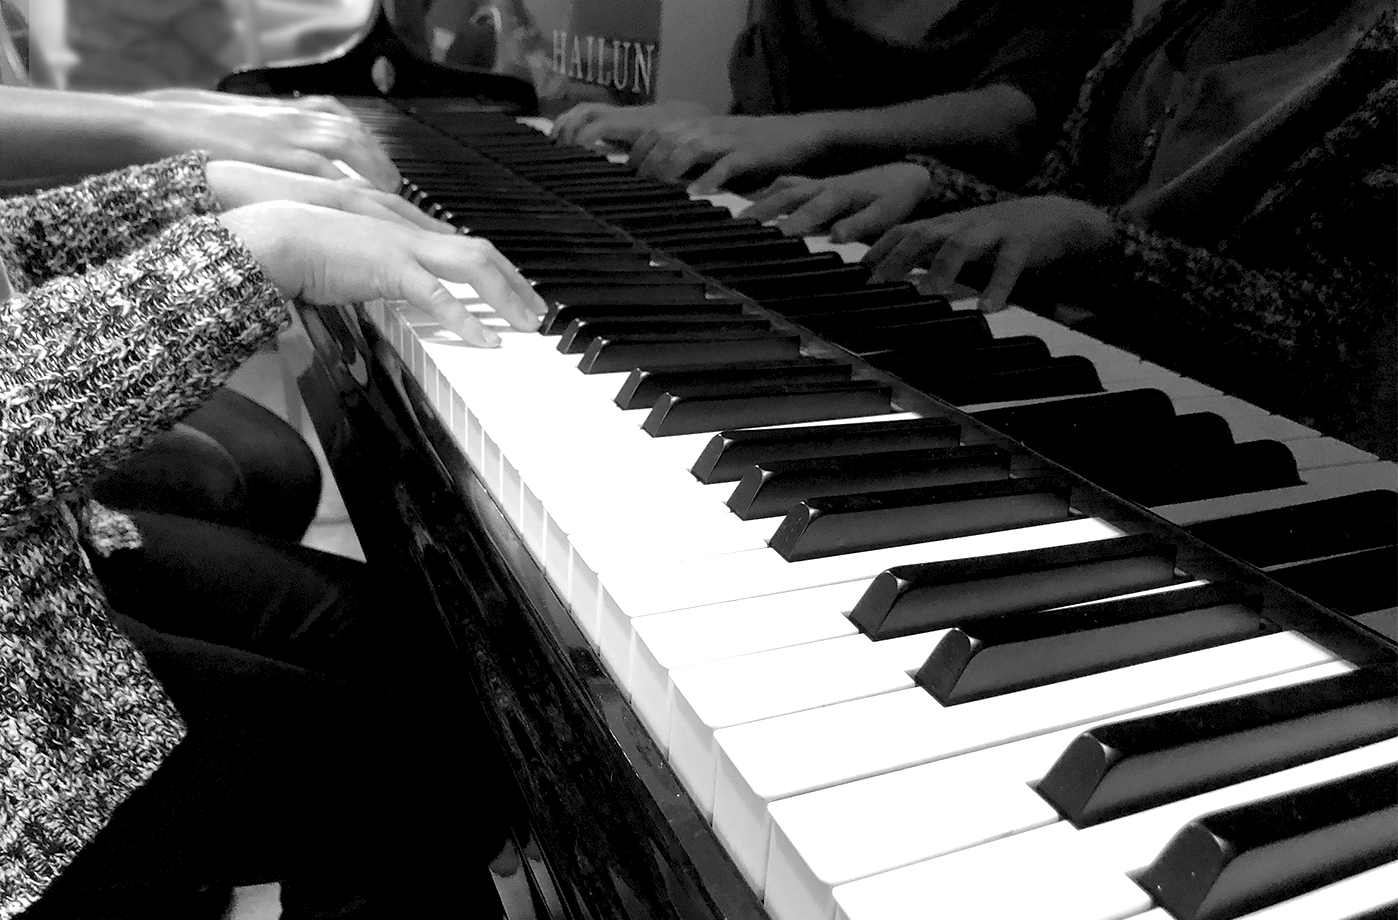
[
  {"x": 938, "y": 595},
  {"x": 1297, "y": 533},
  {"x": 770, "y": 489},
  {"x": 937, "y": 368},
  {"x": 1124, "y": 767},
  {"x": 1016, "y": 651},
  {"x": 839, "y": 303},
  {"x": 1382, "y": 621},
  {"x": 700, "y": 255},
  {"x": 741, "y": 232},
  {"x": 561, "y": 315},
  {"x": 644, "y": 387},
  {"x": 741, "y": 405},
  {"x": 624, "y": 214},
  {"x": 875, "y": 317},
  {"x": 747, "y": 268},
  {"x": 839, "y": 524},
  {"x": 1240, "y": 860},
  {"x": 1069, "y": 418},
  {"x": 610, "y": 354},
  {"x": 1353, "y": 583},
  {"x": 1066, "y": 376},
  {"x": 614, "y": 292},
  {"x": 956, "y": 332},
  {"x": 846, "y": 277},
  {"x": 581, "y": 332},
  {"x": 729, "y": 454}
]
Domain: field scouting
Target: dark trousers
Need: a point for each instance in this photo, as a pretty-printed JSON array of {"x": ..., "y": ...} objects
[
  {"x": 332, "y": 740},
  {"x": 231, "y": 462}
]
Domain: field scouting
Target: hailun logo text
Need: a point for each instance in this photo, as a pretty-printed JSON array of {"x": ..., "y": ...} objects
[{"x": 617, "y": 64}]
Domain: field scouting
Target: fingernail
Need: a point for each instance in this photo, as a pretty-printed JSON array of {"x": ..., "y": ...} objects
[{"x": 491, "y": 339}]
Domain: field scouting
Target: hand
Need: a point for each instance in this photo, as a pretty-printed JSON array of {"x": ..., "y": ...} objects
[
  {"x": 852, "y": 207},
  {"x": 296, "y": 136},
  {"x": 238, "y": 184},
  {"x": 327, "y": 104},
  {"x": 588, "y": 123},
  {"x": 333, "y": 258},
  {"x": 1014, "y": 235},
  {"x": 731, "y": 145}
]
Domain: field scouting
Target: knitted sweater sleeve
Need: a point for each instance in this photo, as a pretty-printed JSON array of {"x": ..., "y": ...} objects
[
  {"x": 952, "y": 189},
  {"x": 63, "y": 231},
  {"x": 93, "y": 364}
]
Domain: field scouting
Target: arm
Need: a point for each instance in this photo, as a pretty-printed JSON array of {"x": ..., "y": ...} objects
[
  {"x": 64, "y": 230},
  {"x": 988, "y": 121},
  {"x": 53, "y": 137},
  {"x": 94, "y": 364}
]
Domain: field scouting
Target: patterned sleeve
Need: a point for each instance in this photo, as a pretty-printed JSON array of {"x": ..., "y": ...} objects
[
  {"x": 952, "y": 189},
  {"x": 94, "y": 364},
  {"x": 65, "y": 230}
]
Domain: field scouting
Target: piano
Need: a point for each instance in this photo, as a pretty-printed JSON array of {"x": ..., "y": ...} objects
[{"x": 790, "y": 596}]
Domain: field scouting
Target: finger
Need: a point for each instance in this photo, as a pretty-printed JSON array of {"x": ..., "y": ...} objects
[
  {"x": 610, "y": 128},
  {"x": 420, "y": 287},
  {"x": 327, "y": 104},
  {"x": 967, "y": 244},
  {"x": 865, "y": 223},
  {"x": 344, "y": 139},
  {"x": 729, "y": 167},
  {"x": 567, "y": 125},
  {"x": 407, "y": 211},
  {"x": 640, "y": 150},
  {"x": 782, "y": 202},
  {"x": 473, "y": 261},
  {"x": 1009, "y": 265},
  {"x": 781, "y": 184},
  {"x": 908, "y": 251},
  {"x": 308, "y": 162},
  {"x": 818, "y": 213}
]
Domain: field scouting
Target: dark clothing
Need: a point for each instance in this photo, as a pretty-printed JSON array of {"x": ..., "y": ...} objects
[
  {"x": 229, "y": 462},
  {"x": 1267, "y": 268},
  {"x": 797, "y": 56},
  {"x": 331, "y": 738}
]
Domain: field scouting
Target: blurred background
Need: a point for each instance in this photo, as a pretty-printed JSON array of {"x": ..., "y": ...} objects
[{"x": 132, "y": 45}]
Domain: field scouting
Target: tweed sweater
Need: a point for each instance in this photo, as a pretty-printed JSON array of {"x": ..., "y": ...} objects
[
  {"x": 132, "y": 304},
  {"x": 1290, "y": 306}
]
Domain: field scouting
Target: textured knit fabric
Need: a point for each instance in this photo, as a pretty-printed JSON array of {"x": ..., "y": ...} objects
[
  {"x": 1279, "y": 288},
  {"x": 119, "y": 328}
]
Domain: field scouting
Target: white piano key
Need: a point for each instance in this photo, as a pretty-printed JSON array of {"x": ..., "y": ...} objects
[
  {"x": 1069, "y": 868},
  {"x": 649, "y": 590},
  {"x": 969, "y": 886},
  {"x": 837, "y": 835},
  {"x": 1349, "y": 897},
  {"x": 666, "y": 641},
  {"x": 751, "y": 687},
  {"x": 761, "y": 762}
]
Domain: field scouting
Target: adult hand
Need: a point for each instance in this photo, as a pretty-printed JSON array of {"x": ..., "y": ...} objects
[
  {"x": 730, "y": 145},
  {"x": 327, "y": 104},
  {"x": 1011, "y": 235},
  {"x": 238, "y": 184},
  {"x": 294, "y": 136},
  {"x": 587, "y": 123},
  {"x": 852, "y": 207},
  {"x": 333, "y": 258}
]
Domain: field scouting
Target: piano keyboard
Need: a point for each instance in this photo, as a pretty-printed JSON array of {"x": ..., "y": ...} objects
[{"x": 879, "y": 643}]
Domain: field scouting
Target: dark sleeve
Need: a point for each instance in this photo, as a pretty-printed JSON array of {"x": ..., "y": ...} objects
[
  {"x": 1050, "y": 55},
  {"x": 93, "y": 364},
  {"x": 1315, "y": 342},
  {"x": 62, "y": 231}
]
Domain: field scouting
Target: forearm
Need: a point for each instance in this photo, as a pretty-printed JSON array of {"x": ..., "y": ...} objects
[
  {"x": 93, "y": 365},
  {"x": 54, "y": 138},
  {"x": 989, "y": 122},
  {"x": 65, "y": 230}
]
